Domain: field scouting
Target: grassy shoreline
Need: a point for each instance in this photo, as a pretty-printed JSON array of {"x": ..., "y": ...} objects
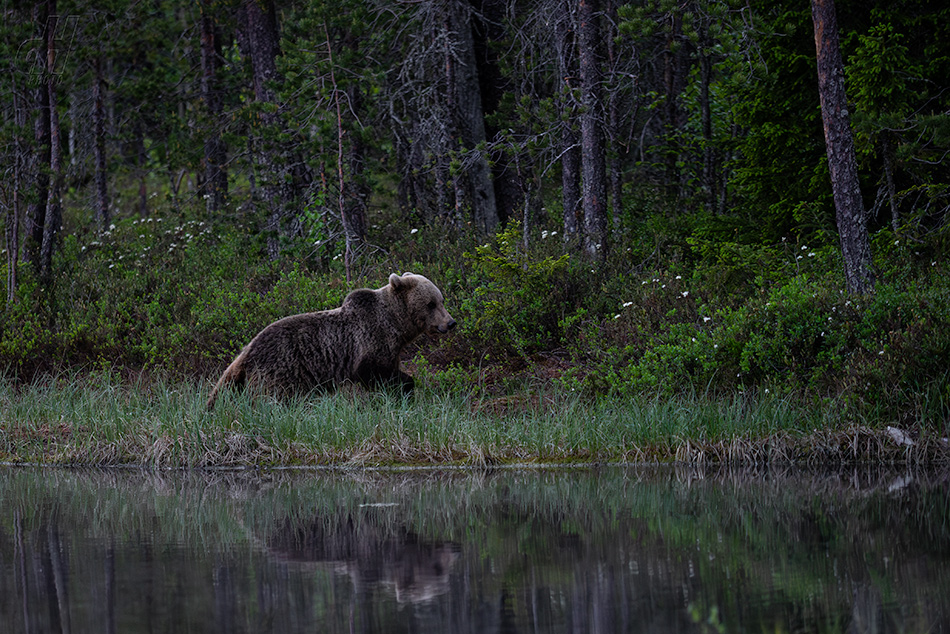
[{"x": 103, "y": 421}]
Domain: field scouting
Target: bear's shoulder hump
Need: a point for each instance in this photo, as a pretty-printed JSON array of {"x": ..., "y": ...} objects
[{"x": 360, "y": 299}]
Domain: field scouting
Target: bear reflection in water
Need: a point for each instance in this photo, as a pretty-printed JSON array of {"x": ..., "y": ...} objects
[{"x": 369, "y": 554}]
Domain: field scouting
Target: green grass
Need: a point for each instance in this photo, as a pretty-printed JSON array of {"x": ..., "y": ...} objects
[{"x": 99, "y": 419}]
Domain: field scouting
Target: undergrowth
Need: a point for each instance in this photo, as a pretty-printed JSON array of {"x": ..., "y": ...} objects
[{"x": 179, "y": 297}]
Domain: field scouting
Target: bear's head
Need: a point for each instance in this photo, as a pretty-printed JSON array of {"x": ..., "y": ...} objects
[{"x": 423, "y": 302}]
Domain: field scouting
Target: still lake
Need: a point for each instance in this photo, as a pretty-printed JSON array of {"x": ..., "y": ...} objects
[{"x": 610, "y": 549}]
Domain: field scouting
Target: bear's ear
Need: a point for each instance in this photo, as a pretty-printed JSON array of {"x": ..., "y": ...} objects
[{"x": 400, "y": 283}]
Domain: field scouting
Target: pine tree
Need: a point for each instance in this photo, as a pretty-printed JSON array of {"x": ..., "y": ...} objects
[{"x": 839, "y": 141}]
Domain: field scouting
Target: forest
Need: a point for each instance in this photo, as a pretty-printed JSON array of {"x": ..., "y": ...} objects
[{"x": 713, "y": 197}]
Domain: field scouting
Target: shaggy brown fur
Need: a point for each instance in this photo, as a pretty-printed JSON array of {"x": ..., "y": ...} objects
[{"x": 360, "y": 341}]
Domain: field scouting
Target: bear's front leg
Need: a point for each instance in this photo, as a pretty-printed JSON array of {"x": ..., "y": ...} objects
[
  {"x": 407, "y": 383},
  {"x": 373, "y": 375}
]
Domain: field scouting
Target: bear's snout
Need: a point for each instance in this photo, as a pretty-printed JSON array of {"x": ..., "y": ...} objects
[{"x": 447, "y": 326}]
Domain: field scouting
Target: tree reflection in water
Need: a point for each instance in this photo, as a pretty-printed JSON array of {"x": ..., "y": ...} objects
[{"x": 605, "y": 550}]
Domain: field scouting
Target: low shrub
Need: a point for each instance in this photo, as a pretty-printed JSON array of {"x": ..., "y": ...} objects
[
  {"x": 518, "y": 302},
  {"x": 803, "y": 337}
]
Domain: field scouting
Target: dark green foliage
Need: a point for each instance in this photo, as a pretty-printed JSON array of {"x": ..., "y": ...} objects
[
  {"x": 802, "y": 336},
  {"x": 896, "y": 60},
  {"x": 155, "y": 293},
  {"x": 516, "y": 301}
]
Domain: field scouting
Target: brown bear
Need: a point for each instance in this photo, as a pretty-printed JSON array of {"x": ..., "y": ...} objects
[{"x": 360, "y": 341}]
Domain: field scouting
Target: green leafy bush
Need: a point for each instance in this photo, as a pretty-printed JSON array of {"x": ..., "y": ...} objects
[
  {"x": 152, "y": 293},
  {"x": 804, "y": 336},
  {"x": 518, "y": 302}
]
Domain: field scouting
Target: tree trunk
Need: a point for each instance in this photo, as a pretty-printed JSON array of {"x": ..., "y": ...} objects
[
  {"x": 99, "y": 131},
  {"x": 471, "y": 119},
  {"x": 216, "y": 176},
  {"x": 53, "y": 218},
  {"x": 352, "y": 190},
  {"x": 487, "y": 28},
  {"x": 452, "y": 147},
  {"x": 839, "y": 144},
  {"x": 259, "y": 40},
  {"x": 570, "y": 146},
  {"x": 887, "y": 154},
  {"x": 36, "y": 214},
  {"x": 710, "y": 180},
  {"x": 593, "y": 160},
  {"x": 12, "y": 222},
  {"x": 671, "y": 80},
  {"x": 356, "y": 191},
  {"x": 414, "y": 199},
  {"x": 614, "y": 157},
  {"x": 141, "y": 165}
]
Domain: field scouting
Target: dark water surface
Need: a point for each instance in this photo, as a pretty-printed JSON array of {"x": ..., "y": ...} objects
[{"x": 602, "y": 550}]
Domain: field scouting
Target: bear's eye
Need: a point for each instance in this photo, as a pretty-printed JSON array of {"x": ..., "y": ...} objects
[{"x": 432, "y": 305}]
